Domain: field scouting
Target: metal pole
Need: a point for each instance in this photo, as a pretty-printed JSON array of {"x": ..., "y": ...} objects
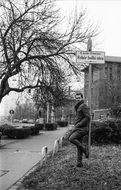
[
  {"x": 48, "y": 107},
  {"x": 89, "y": 102},
  {"x": 11, "y": 119},
  {"x": 89, "y": 48}
]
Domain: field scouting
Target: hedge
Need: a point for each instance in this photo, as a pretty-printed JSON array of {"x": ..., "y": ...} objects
[
  {"x": 106, "y": 132},
  {"x": 62, "y": 123},
  {"x": 34, "y": 130},
  {"x": 4, "y": 127},
  {"x": 40, "y": 126},
  {"x": 18, "y": 133},
  {"x": 50, "y": 126}
]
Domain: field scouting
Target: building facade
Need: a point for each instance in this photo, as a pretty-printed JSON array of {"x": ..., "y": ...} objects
[{"x": 106, "y": 83}]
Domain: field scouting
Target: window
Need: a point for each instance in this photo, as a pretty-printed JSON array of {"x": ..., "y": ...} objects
[
  {"x": 110, "y": 73},
  {"x": 106, "y": 71},
  {"x": 96, "y": 75},
  {"x": 118, "y": 73}
]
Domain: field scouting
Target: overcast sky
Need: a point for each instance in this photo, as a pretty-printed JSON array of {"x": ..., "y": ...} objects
[{"x": 105, "y": 13}]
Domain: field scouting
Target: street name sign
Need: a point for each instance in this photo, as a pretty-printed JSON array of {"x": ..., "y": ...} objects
[
  {"x": 11, "y": 112},
  {"x": 94, "y": 57}
]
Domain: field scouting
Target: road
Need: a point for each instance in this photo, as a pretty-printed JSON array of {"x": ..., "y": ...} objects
[{"x": 20, "y": 155}]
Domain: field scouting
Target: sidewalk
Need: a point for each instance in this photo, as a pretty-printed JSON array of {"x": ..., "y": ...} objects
[{"x": 19, "y": 156}]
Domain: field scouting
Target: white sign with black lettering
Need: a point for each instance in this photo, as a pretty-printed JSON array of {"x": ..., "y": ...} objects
[{"x": 93, "y": 57}]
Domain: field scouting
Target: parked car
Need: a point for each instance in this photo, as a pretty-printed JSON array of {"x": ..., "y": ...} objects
[
  {"x": 24, "y": 120},
  {"x": 31, "y": 121},
  {"x": 20, "y": 121},
  {"x": 40, "y": 121},
  {"x": 16, "y": 120}
]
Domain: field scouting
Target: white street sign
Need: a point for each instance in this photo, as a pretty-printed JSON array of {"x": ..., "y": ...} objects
[{"x": 94, "y": 57}]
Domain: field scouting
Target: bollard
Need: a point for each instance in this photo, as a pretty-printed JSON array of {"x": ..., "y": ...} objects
[
  {"x": 44, "y": 154},
  {"x": 61, "y": 141},
  {"x": 56, "y": 146}
]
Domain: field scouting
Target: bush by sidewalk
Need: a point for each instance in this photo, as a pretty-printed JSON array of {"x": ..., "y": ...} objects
[
  {"x": 19, "y": 132},
  {"x": 105, "y": 132},
  {"x": 5, "y": 127},
  {"x": 62, "y": 123},
  {"x": 39, "y": 125},
  {"x": 50, "y": 126},
  {"x": 61, "y": 172}
]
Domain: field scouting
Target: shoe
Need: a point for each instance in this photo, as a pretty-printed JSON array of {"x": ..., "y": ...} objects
[
  {"x": 80, "y": 165},
  {"x": 86, "y": 152}
]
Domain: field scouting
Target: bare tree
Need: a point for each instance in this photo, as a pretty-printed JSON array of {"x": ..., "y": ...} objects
[
  {"x": 31, "y": 47},
  {"x": 54, "y": 92},
  {"x": 24, "y": 111}
]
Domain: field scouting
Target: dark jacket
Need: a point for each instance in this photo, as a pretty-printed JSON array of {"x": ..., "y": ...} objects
[{"x": 82, "y": 115}]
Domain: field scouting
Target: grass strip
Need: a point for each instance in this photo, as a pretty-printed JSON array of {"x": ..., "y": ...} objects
[{"x": 60, "y": 172}]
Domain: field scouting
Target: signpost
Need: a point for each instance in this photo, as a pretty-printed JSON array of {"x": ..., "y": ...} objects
[
  {"x": 11, "y": 112},
  {"x": 90, "y": 57}
]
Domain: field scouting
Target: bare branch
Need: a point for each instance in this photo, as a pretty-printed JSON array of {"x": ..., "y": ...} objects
[{"x": 31, "y": 45}]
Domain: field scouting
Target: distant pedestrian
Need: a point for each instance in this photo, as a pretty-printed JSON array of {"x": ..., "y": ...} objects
[{"x": 81, "y": 128}]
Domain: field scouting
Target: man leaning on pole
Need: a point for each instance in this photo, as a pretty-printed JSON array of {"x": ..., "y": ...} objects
[{"x": 81, "y": 128}]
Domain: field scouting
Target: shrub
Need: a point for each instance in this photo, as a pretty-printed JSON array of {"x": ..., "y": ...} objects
[
  {"x": 39, "y": 125},
  {"x": 18, "y": 133},
  {"x": 101, "y": 135},
  {"x": 34, "y": 130},
  {"x": 106, "y": 132},
  {"x": 62, "y": 123},
  {"x": 50, "y": 126},
  {"x": 4, "y": 127},
  {"x": 116, "y": 111}
]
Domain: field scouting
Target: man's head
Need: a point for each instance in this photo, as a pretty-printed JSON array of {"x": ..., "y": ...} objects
[{"x": 79, "y": 96}]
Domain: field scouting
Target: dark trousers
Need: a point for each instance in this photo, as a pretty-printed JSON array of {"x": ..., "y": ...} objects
[{"x": 76, "y": 138}]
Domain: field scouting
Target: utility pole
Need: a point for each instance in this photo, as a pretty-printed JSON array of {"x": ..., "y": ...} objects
[{"x": 89, "y": 48}]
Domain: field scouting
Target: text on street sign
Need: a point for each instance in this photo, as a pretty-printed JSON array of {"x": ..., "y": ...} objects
[{"x": 90, "y": 57}]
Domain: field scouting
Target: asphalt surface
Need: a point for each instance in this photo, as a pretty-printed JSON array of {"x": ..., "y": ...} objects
[{"x": 20, "y": 155}]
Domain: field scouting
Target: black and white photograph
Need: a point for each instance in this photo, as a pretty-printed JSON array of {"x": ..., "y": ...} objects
[{"x": 60, "y": 95}]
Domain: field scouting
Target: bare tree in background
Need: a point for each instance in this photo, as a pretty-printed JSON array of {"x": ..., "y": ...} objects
[
  {"x": 32, "y": 49},
  {"x": 24, "y": 111}
]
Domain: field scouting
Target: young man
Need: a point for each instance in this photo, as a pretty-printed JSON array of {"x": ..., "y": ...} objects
[{"x": 81, "y": 128}]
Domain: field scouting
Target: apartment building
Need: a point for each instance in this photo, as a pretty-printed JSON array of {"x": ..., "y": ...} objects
[{"x": 106, "y": 83}]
